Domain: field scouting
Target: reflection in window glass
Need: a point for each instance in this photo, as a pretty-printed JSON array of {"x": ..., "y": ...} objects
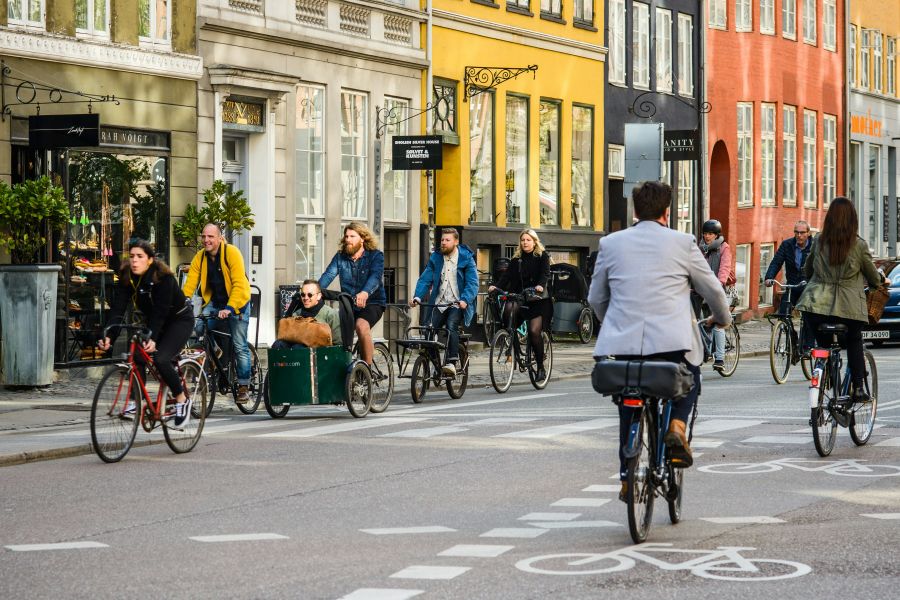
[
  {"x": 872, "y": 199},
  {"x": 354, "y": 114},
  {"x": 548, "y": 141},
  {"x": 396, "y": 183},
  {"x": 766, "y": 253},
  {"x": 481, "y": 158},
  {"x": 90, "y": 16},
  {"x": 742, "y": 274},
  {"x": 516, "y": 159},
  {"x": 309, "y": 144},
  {"x": 582, "y": 165},
  {"x": 26, "y": 11},
  {"x": 154, "y": 19},
  {"x": 684, "y": 218},
  {"x": 308, "y": 251}
]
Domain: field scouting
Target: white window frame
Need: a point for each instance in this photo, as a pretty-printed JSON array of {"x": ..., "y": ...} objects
[
  {"x": 583, "y": 12},
  {"x": 789, "y": 19},
  {"x": 872, "y": 196},
  {"x": 90, "y": 31},
  {"x": 767, "y": 293},
  {"x": 829, "y": 25},
  {"x": 877, "y": 64},
  {"x": 810, "y": 187},
  {"x": 398, "y": 111},
  {"x": 743, "y": 15},
  {"x": 767, "y": 112},
  {"x": 684, "y": 197},
  {"x": 767, "y": 17},
  {"x": 617, "y": 21},
  {"x": 361, "y": 211},
  {"x": 616, "y": 161},
  {"x": 891, "y": 68},
  {"x": 852, "y": 58},
  {"x": 686, "y": 55},
  {"x": 315, "y": 266},
  {"x": 829, "y": 159},
  {"x": 809, "y": 22},
  {"x": 745, "y": 153},
  {"x": 25, "y": 22},
  {"x": 153, "y": 40},
  {"x": 313, "y": 211},
  {"x": 663, "y": 43},
  {"x": 640, "y": 45},
  {"x": 742, "y": 273},
  {"x": 864, "y": 60},
  {"x": 523, "y": 4},
  {"x": 585, "y": 208},
  {"x": 789, "y": 155},
  {"x": 551, "y": 8},
  {"x": 718, "y": 14}
]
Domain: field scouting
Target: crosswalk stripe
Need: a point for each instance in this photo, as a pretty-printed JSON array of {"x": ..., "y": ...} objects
[
  {"x": 381, "y": 594},
  {"x": 425, "y": 433},
  {"x": 342, "y": 427},
  {"x": 247, "y": 426},
  {"x": 59, "y": 546},
  {"x": 454, "y": 406},
  {"x": 429, "y": 572},
  {"x": 778, "y": 439},
  {"x": 894, "y": 442},
  {"x": 718, "y": 425},
  {"x": 554, "y": 430}
]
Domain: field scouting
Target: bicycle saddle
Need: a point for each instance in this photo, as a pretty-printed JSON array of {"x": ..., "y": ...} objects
[{"x": 833, "y": 328}]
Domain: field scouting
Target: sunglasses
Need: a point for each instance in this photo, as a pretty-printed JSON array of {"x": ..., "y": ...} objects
[{"x": 305, "y": 295}]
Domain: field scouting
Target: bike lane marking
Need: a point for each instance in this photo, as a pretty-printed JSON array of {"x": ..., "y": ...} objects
[
  {"x": 778, "y": 439},
  {"x": 381, "y": 594},
  {"x": 408, "y": 530},
  {"x": 883, "y": 516},
  {"x": 58, "y": 546},
  {"x": 237, "y": 537},
  {"x": 514, "y": 532},
  {"x": 554, "y": 430},
  {"x": 457, "y": 405},
  {"x": 476, "y": 550},
  {"x": 602, "y": 488},
  {"x": 575, "y": 524},
  {"x": 706, "y": 427},
  {"x": 581, "y": 502},
  {"x": 892, "y": 442},
  {"x": 426, "y": 432},
  {"x": 742, "y": 520},
  {"x": 429, "y": 572},
  {"x": 550, "y": 516},
  {"x": 354, "y": 425}
]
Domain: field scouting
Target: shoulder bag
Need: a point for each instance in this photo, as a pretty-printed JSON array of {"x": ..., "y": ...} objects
[
  {"x": 876, "y": 299},
  {"x": 304, "y": 330}
]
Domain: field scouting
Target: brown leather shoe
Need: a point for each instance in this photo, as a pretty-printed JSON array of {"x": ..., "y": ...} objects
[
  {"x": 243, "y": 395},
  {"x": 623, "y": 492},
  {"x": 676, "y": 441}
]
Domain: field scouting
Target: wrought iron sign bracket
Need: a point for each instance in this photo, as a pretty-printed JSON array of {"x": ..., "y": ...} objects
[
  {"x": 646, "y": 108},
  {"x": 385, "y": 117},
  {"x": 37, "y": 93},
  {"x": 481, "y": 79}
]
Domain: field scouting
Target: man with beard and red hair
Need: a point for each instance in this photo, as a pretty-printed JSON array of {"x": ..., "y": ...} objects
[{"x": 360, "y": 266}]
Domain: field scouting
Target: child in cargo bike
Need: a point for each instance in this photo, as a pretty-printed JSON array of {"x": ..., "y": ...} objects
[{"x": 309, "y": 302}]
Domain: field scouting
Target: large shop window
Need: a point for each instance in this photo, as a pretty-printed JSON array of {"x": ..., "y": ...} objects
[
  {"x": 354, "y": 141},
  {"x": 396, "y": 183},
  {"x": 516, "y": 160},
  {"x": 92, "y": 17},
  {"x": 481, "y": 158},
  {"x": 548, "y": 144},
  {"x": 309, "y": 181},
  {"x": 742, "y": 274},
  {"x": 582, "y": 165},
  {"x": 766, "y": 254}
]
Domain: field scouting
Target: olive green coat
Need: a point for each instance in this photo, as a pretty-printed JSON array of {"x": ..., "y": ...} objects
[{"x": 839, "y": 291}]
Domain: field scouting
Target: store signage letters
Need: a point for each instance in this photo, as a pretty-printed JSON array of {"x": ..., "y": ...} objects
[
  {"x": 416, "y": 152},
  {"x": 133, "y": 138},
  {"x": 681, "y": 144},
  {"x": 865, "y": 125}
]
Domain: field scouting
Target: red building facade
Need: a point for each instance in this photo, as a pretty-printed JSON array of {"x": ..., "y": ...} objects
[{"x": 775, "y": 134}]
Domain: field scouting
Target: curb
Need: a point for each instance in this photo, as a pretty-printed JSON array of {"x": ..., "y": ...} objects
[{"x": 21, "y": 458}]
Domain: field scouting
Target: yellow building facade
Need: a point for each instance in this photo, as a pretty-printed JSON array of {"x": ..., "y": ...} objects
[{"x": 517, "y": 90}]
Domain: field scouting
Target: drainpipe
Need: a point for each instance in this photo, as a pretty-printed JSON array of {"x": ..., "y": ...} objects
[
  {"x": 703, "y": 167},
  {"x": 431, "y": 175},
  {"x": 846, "y": 94}
]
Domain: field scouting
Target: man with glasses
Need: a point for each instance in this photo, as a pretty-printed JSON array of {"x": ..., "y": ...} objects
[
  {"x": 308, "y": 302},
  {"x": 791, "y": 254}
]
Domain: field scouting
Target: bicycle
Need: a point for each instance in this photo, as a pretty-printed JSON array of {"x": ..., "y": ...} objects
[
  {"x": 846, "y": 467},
  {"x": 506, "y": 348},
  {"x": 427, "y": 368},
  {"x": 122, "y": 400},
  {"x": 223, "y": 376},
  {"x": 830, "y": 402},
  {"x": 732, "y": 346},
  {"x": 489, "y": 319},
  {"x": 786, "y": 344}
]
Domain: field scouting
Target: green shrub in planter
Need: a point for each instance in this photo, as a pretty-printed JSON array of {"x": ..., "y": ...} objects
[{"x": 27, "y": 211}]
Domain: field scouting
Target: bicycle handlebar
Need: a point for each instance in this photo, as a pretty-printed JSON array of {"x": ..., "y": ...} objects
[
  {"x": 785, "y": 286},
  {"x": 139, "y": 330}
]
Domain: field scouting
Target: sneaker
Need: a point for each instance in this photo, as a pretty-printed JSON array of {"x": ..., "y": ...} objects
[
  {"x": 541, "y": 374},
  {"x": 182, "y": 413},
  {"x": 130, "y": 409},
  {"x": 719, "y": 366},
  {"x": 449, "y": 369},
  {"x": 243, "y": 395}
]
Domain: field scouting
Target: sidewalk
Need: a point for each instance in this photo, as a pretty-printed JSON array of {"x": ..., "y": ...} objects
[{"x": 34, "y": 422}]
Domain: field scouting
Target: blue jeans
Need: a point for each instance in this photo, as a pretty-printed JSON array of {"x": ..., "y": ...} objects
[
  {"x": 451, "y": 317},
  {"x": 237, "y": 325},
  {"x": 718, "y": 343}
]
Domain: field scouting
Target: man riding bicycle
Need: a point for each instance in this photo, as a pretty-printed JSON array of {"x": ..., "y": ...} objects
[
  {"x": 218, "y": 269},
  {"x": 792, "y": 254},
  {"x": 450, "y": 278},
  {"x": 656, "y": 326}
]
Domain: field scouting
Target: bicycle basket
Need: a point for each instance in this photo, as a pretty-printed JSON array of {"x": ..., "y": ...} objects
[{"x": 655, "y": 378}]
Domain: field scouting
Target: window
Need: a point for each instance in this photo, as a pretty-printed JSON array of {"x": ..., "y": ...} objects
[
  {"x": 516, "y": 159},
  {"x": 829, "y": 25},
  {"x": 854, "y": 189},
  {"x": 481, "y": 158},
  {"x": 809, "y": 159},
  {"x": 396, "y": 183},
  {"x": 767, "y": 16},
  {"x": 523, "y": 4},
  {"x": 684, "y": 220},
  {"x": 809, "y": 21},
  {"x": 789, "y": 156},
  {"x": 640, "y": 46},
  {"x": 444, "y": 98},
  {"x": 718, "y": 17},
  {"x": 548, "y": 140},
  {"x": 551, "y": 8},
  {"x": 872, "y": 199},
  {"x": 789, "y": 19},
  {"x": 852, "y": 57},
  {"x": 767, "y": 148},
  {"x": 354, "y": 141},
  {"x": 743, "y": 15},
  {"x": 92, "y": 17},
  {"x": 617, "y": 41},
  {"x": 582, "y": 165},
  {"x": 745, "y": 153},
  {"x": 309, "y": 250},
  {"x": 663, "y": 50},
  {"x": 766, "y": 253},
  {"x": 891, "y": 67},
  {"x": 584, "y": 12},
  {"x": 155, "y": 21},
  {"x": 685, "y": 55},
  {"x": 309, "y": 143},
  {"x": 615, "y": 158},
  {"x": 877, "y": 66},
  {"x": 27, "y": 13},
  {"x": 742, "y": 274},
  {"x": 829, "y": 158},
  {"x": 864, "y": 61}
]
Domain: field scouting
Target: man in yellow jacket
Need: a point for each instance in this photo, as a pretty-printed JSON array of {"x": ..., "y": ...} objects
[{"x": 218, "y": 269}]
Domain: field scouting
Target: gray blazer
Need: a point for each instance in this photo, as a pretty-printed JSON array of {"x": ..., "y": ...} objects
[{"x": 640, "y": 292}]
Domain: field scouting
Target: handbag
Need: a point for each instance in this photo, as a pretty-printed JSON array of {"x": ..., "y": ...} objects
[
  {"x": 659, "y": 379},
  {"x": 304, "y": 330},
  {"x": 876, "y": 299},
  {"x": 732, "y": 296}
]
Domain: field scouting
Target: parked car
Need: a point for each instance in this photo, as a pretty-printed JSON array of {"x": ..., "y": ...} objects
[{"x": 888, "y": 328}]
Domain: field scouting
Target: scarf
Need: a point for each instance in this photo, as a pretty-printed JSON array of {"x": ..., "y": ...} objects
[
  {"x": 711, "y": 252},
  {"x": 313, "y": 311}
]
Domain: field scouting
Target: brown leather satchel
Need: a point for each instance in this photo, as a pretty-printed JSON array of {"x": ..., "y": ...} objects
[
  {"x": 876, "y": 299},
  {"x": 304, "y": 330}
]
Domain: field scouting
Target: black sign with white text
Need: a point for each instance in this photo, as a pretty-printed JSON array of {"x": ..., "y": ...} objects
[
  {"x": 681, "y": 144},
  {"x": 416, "y": 152},
  {"x": 64, "y": 131}
]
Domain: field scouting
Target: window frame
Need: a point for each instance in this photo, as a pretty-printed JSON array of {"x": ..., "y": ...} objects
[
  {"x": 829, "y": 158},
  {"x": 361, "y": 133},
  {"x": 615, "y": 158},
  {"x": 829, "y": 25},
  {"x": 744, "y": 130},
  {"x": 322, "y": 94},
  {"x": 663, "y": 58},
  {"x": 789, "y": 15},
  {"x": 810, "y": 157},
  {"x": 590, "y": 162},
  {"x": 852, "y": 58},
  {"x": 491, "y": 200},
  {"x": 767, "y": 126},
  {"x": 557, "y": 107},
  {"x": 640, "y": 46},
  {"x": 742, "y": 285},
  {"x": 789, "y": 155},
  {"x": 718, "y": 14},
  {"x": 810, "y": 22},
  {"x": 554, "y": 9},
  {"x": 153, "y": 40},
  {"x": 585, "y": 16},
  {"x": 520, "y": 193},
  {"x": 877, "y": 61},
  {"x": 26, "y": 22},
  {"x": 743, "y": 16},
  {"x": 686, "y": 55},
  {"x": 865, "y": 57},
  {"x": 767, "y": 9},
  {"x": 396, "y": 127},
  {"x": 617, "y": 71},
  {"x": 90, "y": 6},
  {"x": 684, "y": 196},
  {"x": 891, "y": 67},
  {"x": 765, "y": 295}
]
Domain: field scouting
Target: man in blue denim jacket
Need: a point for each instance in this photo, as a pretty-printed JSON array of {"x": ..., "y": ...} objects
[{"x": 360, "y": 266}]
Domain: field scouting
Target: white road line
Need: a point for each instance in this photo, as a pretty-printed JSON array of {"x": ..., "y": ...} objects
[
  {"x": 584, "y": 502},
  {"x": 476, "y": 550},
  {"x": 777, "y": 439},
  {"x": 457, "y": 405},
  {"x": 890, "y": 442},
  {"x": 59, "y": 546},
  {"x": 354, "y": 425},
  {"x": 602, "y": 488},
  {"x": 550, "y": 516},
  {"x": 429, "y": 572},
  {"x": 247, "y": 426},
  {"x": 707, "y": 427},
  {"x": 702, "y": 443},
  {"x": 741, "y": 520},
  {"x": 381, "y": 594},
  {"x": 407, "y": 530},
  {"x": 425, "y": 432},
  {"x": 575, "y": 524},
  {"x": 504, "y": 420},
  {"x": 885, "y": 516},
  {"x": 554, "y": 430},
  {"x": 238, "y": 537},
  {"x": 513, "y": 532}
]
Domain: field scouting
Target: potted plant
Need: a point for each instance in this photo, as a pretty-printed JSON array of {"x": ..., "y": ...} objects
[
  {"x": 29, "y": 212},
  {"x": 222, "y": 206}
]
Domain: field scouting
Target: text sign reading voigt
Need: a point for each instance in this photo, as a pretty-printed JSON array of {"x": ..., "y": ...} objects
[{"x": 416, "y": 152}]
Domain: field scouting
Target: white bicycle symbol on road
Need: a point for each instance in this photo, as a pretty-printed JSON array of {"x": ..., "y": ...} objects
[
  {"x": 847, "y": 468},
  {"x": 724, "y": 563}
]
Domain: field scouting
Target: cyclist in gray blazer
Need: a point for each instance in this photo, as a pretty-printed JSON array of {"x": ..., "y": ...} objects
[{"x": 640, "y": 292}]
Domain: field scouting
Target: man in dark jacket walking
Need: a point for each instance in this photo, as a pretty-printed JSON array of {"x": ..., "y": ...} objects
[{"x": 792, "y": 254}]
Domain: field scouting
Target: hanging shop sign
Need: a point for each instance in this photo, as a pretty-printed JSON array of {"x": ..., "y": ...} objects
[
  {"x": 63, "y": 131},
  {"x": 416, "y": 152},
  {"x": 681, "y": 144}
]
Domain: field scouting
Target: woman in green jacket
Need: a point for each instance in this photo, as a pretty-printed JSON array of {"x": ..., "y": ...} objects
[{"x": 838, "y": 269}]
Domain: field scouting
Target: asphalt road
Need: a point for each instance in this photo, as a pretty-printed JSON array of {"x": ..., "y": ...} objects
[{"x": 472, "y": 498}]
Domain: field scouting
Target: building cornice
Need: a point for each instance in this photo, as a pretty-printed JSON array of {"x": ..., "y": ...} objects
[
  {"x": 101, "y": 55},
  {"x": 508, "y": 33}
]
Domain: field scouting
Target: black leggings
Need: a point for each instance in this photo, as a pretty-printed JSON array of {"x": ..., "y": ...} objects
[
  {"x": 853, "y": 341},
  {"x": 535, "y": 326},
  {"x": 170, "y": 344}
]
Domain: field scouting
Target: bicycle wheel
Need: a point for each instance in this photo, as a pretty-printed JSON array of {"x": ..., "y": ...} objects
[
  {"x": 586, "y": 325},
  {"x": 732, "y": 350},
  {"x": 674, "y": 495},
  {"x": 824, "y": 427},
  {"x": 456, "y": 387},
  {"x": 780, "y": 351},
  {"x": 276, "y": 411},
  {"x": 183, "y": 439},
  {"x": 421, "y": 378},
  {"x": 640, "y": 487},
  {"x": 359, "y": 390},
  {"x": 487, "y": 321},
  {"x": 502, "y": 361},
  {"x": 112, "y": 431},
  {"x": 548, "y": 363},
  {"x": 382, "y": 378},
  {"x": 254, "y": 385},
  {"x": 862, "y": 419},
  {"x": 212, "y": 378}
]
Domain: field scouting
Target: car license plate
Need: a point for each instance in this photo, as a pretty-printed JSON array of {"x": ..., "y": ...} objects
[{"x": 876, "y": 335}]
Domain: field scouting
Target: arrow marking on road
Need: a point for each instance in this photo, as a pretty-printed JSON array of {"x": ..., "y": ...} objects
[{"x": 405, "y": 530}]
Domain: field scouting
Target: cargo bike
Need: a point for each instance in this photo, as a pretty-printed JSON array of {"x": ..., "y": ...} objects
[{"x": 331, "y": 375}]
